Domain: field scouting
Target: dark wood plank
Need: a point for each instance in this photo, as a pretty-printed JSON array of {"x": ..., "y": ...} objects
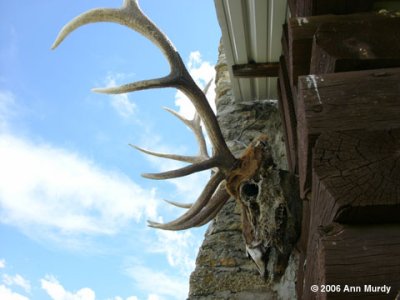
[
  {"x": 342, "y": 193},
  {"x": 302, "y": 247},
  {"x": 287, "y": 110},
  {"x": 294, "y": 11},
  {"x": 285, "y": 47},
  {"x": 345, "y": 47},
  {"x": 256, "y": 70},
  {"x": 354, "y": 256},
  {"x": 302, "y": 30},
  {"x": 340, "y": 7},
  {"x": 344, "y": 101},
  {"x": 286, "y": 55},
  {"x": 359, "y": 172}
]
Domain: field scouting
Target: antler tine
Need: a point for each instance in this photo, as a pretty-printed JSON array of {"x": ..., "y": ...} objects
[
  {"x": 195, "y": 209},
  {"x": 178, "y": 204},
  {"x": 131, "y": 16},
  {"x": 194, "y": 168},
  {"x": 216, "y": 203},
  {"x": 183, "y": 158},
  {"x": 195, "y": 126},
  {"x": 208, "y": 213}
]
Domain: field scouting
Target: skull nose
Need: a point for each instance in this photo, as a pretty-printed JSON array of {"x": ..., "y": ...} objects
[{"x": 257, "y": 255}]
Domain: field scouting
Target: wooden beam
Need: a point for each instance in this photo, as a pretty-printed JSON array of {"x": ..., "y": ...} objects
[
  {"x": 342, "y": 102},
  {"x": 286, "y": 107},
  {"x": 302, "y": 247},
  {"x": 356, "y": 176},
  {"x": 306, "y": 8},
  {"x": 349, "y": 260},
  {"x": 355, "y": 184},
  {"x": 256, "y": 70},
  {"x": 345, "y": 47},
  {"x": 301, "y": 32}
]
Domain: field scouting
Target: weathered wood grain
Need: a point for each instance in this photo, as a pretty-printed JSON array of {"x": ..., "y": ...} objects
[
  {"x": 294, "y": 11},
  {"x": 343, "y": 47},
  {"x": 356, "y": 180},
  {"x": 302, "y": 30},
  {"x": 360, "y": 173},
  {"x": 256, "y": 70},
  {"x": 365, "y": 100},
  {"x": 285, "y": 51},
  {"x": 286, "y": 106},
  {"x": 354, "y": 256},
  {"x": 305, "y": 8},
  {"x": 302, "y": 247}
]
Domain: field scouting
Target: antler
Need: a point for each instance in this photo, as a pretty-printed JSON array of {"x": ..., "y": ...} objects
[
  {"x": 214, "y": 194},
  {"x": 195, "y": 126}
]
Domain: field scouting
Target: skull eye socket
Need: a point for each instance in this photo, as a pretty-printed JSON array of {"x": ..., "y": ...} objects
[{"x": 249, "y": 189}]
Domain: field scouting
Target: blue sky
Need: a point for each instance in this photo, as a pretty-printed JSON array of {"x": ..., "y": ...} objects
[{"x": 73, "y": 207}]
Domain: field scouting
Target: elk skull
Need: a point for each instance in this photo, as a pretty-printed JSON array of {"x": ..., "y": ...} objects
[{"x": 270, "y": 208}]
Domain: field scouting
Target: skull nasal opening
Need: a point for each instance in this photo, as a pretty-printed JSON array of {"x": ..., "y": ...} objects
[{"x": 250, "y": 189}]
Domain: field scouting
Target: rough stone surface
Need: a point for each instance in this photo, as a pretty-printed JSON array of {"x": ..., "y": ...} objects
[{"x": 223, "y": 270}]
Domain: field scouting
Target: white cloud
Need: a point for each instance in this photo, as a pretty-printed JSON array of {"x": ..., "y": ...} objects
[
  {"x": 57, "y": 292},
  {"x": 120, "y": 102},
  {"x": 180, "y": 249},
  {"x": 122, "y": 105},
  {"x": 151, "y": 282},
  {"x": 7, "y": 294},
  {"x": 17, "y": 280},
  {"x": 129, "y": 298},
  {"x": 2, "y": 263},
  {"x": 52, "y": 190},
  {"x": 202, "y": 72}
]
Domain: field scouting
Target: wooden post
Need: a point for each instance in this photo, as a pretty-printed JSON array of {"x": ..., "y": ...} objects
[
  {"x": 287, "y": 109},
  {"x": 344, "y": 101},
  {"x": 304, "y": 8},
  {"x": 354, "y": 262},
  {"x": 340, "y": 75},
  {"x": 301, "y": 33},
  {"x": 356, "y": 176},
  {"x": 342, "y": 47},
  {"x": 256, "y": 70}
]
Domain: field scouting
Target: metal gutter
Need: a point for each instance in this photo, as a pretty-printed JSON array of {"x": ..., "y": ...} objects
[{"x": 251, "y": 33}]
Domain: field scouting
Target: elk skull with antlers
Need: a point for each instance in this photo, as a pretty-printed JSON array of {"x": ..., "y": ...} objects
[{"x": 269, "y": 216}]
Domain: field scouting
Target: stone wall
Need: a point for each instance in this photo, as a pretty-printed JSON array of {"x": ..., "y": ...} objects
[{"x": 223, "y": 270}]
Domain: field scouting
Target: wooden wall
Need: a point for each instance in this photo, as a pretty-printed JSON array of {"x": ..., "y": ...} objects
[{"x": 339, "y": 84}]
